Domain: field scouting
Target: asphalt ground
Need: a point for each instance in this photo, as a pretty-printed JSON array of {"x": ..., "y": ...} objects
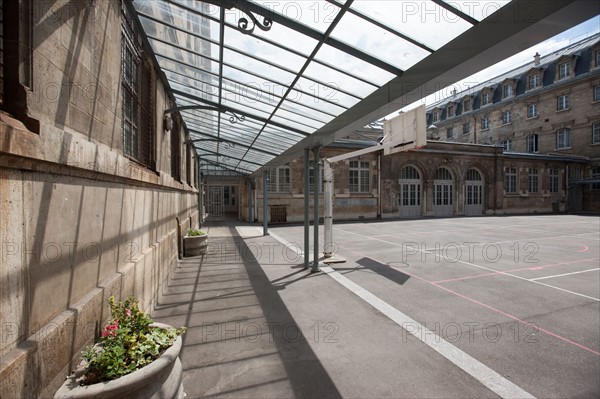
[{"x": 457, "y": 307}]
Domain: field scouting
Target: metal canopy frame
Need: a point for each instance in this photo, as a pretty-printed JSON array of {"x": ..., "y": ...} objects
[{"x": 255, "y": 86}]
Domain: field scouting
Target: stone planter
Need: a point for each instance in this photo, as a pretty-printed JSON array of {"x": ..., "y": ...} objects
[
  {"x": 160, "y": 379},
  {"x": 195, "y": 245}
]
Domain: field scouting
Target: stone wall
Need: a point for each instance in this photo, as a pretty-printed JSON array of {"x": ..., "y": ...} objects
[{"x": 79, "y": 221}]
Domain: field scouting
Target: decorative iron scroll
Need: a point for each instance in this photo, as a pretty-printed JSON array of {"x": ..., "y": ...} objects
[
  {"x": 244, "y": 24},
  {"x": 235, "y": 118}
]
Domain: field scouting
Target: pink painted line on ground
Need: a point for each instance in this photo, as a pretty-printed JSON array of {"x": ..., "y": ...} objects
[
  {"x": 524, "y": 322},
  {"x": 585, "y": 248},
  {"x": 497, "y": 273}
]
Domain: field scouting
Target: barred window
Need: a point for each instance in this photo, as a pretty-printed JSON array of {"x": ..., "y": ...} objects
[
  {"x": 359, "y": 177},
  {"x": 137, "y": 95}
]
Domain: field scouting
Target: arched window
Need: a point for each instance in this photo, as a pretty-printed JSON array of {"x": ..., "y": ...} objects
[
  {"x": 442, "y": 174},
  {"x": 409, "y": 173},
  {"x": 473, "y": 175}
]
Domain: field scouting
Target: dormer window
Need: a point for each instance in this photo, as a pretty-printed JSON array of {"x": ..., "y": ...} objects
[
  {"x": 436, "y": 116},
  {"x": 485, "y": 98},
  {"x": 450, "y": 113},
  {"x": 597, "y": 58},
  {"x": 564, "y": 70},
  {"x": 533, "y": 81},
  {"x": 467, "y": 105},
  {"x": 507, "y": 90}
]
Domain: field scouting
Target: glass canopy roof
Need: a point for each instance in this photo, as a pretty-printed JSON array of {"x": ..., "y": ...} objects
[{"x": 253, "y": 78}]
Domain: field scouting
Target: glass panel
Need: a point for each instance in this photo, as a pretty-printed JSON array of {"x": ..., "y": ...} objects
[
  {"x": 339, "y": 80},
  {"x": 421, "y": 20},
  {"x": 354, "y": 65},
  {"x": 376, "y": 41},
  {"x": 332, "y": 94},
  {"x": 263, "y": 49}
]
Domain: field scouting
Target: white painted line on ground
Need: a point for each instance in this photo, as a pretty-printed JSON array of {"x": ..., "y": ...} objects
[
  {"x": 565, "y": 274},
  {"x": 485, "y": 375}
]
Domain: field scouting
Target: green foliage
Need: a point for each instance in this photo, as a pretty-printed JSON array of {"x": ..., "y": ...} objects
[
  {"x": 195, "y": 232},
  {"x": 128, "y": 343}
]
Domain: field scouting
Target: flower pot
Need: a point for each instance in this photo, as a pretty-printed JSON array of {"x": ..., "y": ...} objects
[
  {"x": 160, "y": 379},
  {"x": 195, "y": 245}
]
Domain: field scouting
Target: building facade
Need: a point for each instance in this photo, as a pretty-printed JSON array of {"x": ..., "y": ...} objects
[
  {"x": 548, "y": 106},
  {"x": 96, "y": 184},
  {"x": 442, "y": 179}
]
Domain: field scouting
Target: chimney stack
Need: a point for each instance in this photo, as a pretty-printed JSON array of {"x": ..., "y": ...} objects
[{"x": 536, "y": 59}]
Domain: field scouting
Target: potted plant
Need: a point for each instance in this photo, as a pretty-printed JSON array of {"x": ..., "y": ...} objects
[
  {"x": 195, "y": 243},
  {"x": 134, "y": 358}
]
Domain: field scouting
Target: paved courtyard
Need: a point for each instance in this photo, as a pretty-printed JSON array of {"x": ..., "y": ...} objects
[{"x": 457, "y": 307}]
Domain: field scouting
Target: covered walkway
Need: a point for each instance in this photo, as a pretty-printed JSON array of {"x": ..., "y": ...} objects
[{"x": 391, "y": 322}]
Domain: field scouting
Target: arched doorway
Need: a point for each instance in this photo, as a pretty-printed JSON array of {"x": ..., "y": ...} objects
[
  {"x": 443, "y": 193},
  {"x": 410, "y": 192},
  {"x": 473, "y": 193}
]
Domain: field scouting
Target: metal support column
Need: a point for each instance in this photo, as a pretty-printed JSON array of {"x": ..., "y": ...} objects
[
  {"x": 317, "y": 184},
  {"x": 328, "y": 212},
  {"x": 250, "y": 216},
  {"x": 265, "y": 200},
  {"x": 199, "y": 187},
  {"x": 306, "y": 209}
]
